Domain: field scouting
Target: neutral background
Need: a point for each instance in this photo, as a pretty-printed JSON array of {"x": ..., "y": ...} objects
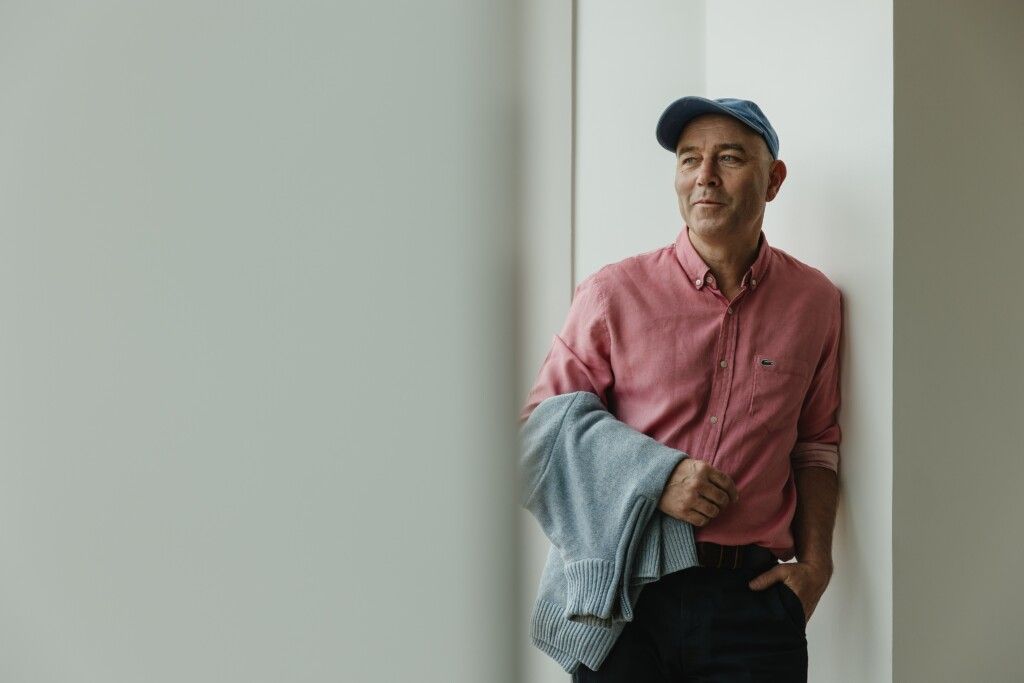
[
  {"x": 258, "y": 273},
  {"x": 256, "y": 285}
]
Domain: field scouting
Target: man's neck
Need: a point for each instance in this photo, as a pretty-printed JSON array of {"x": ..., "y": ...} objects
[{"x": 728, "y": 259}]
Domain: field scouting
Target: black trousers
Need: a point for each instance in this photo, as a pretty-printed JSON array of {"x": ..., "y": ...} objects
[{"x": 705, "y": 624}]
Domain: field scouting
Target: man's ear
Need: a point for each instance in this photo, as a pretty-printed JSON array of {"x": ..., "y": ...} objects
[{"x": 776, "y": 174}]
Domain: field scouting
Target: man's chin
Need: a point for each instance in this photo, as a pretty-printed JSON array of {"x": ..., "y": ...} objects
[{"x": 708, "y": 228}]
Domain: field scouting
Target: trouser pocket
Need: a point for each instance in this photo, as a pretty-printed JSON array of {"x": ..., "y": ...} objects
[{"x": 791, "y": 605}]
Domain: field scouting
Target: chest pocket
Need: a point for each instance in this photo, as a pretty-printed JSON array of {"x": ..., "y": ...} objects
[{"x": 777, "y": 391}]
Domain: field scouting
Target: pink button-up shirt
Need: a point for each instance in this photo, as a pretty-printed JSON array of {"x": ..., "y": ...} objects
[{"x": 750, "y": 385}]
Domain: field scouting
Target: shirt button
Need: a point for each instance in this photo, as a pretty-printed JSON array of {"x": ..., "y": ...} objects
[
  {"x": 724, "y": 364},
  {"x": 729, "y": 310},
  {"x": 697, "y": 282},
  {"x": 753, "y": 282},
  {"x": 714, "y": 419}
]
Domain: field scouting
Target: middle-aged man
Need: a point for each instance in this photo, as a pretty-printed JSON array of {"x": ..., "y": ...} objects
[{"x": 727, "y": 349}]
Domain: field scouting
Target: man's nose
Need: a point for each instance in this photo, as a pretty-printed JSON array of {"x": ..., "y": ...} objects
[{"x": 707, "y": 175}]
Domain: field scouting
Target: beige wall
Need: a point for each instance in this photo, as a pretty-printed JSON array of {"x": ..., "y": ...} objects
[
  {"x": 959, "y": 361},
  {"x": 546, "y": 268}
]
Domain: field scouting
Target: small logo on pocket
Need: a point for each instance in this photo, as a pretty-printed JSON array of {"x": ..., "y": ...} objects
[{"x": 765, "y": 361}]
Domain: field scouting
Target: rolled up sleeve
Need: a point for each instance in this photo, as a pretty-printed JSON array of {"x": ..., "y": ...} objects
[{"x": 818, "y": 432}]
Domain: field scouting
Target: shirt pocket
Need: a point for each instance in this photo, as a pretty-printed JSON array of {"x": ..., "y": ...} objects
[{"x": 777, "y": 391}]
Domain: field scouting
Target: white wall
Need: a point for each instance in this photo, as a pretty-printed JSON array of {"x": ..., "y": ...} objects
[
  {"x": 632, "y": 60},
  {"x": 959, "y": 382},
  {"x": 823, "y": 73},
  {"x": 257, "y": 343}
]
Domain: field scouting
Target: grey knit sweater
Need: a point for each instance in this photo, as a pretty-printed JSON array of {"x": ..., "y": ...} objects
[{"x": 593, "y": 483}]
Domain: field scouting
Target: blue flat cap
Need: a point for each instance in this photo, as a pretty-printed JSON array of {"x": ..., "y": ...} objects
[{"x": 680, "y": 112}]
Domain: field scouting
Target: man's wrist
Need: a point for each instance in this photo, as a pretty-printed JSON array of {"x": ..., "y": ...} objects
[{"x": 820, "y": 564}]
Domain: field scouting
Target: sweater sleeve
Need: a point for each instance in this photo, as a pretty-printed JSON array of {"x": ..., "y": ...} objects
[{"x": 593, "y": 484}]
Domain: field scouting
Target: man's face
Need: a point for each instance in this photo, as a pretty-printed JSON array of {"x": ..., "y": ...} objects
[{"x": 724, "y": 176}]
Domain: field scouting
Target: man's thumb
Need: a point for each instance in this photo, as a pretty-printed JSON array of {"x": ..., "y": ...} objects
[{"x": 764, "y": 580}]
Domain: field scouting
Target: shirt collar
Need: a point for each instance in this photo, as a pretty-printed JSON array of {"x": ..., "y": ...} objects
[{"x": 698, "y": 270}]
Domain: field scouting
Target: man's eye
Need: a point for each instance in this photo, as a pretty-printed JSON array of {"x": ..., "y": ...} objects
[
  {"x": 729, "y": 157},
  {"x": 686, "y": 160}
]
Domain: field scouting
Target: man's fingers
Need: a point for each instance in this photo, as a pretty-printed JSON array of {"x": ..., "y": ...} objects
[
  {"x": 703, "y": 471},
  {"x": 714, "y": 494},
  {"x": 706, "y": 508},
  {"x": 724, "y": 482},
  {"x": 695, "y": 518},
  {"x": 697, "y": 492}
]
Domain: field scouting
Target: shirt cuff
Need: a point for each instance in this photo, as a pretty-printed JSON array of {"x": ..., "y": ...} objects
[{"x": 810, "y": 454}]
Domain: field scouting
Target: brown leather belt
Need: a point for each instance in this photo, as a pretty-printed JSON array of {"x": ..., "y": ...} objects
[{"x": 734, "y": 556}]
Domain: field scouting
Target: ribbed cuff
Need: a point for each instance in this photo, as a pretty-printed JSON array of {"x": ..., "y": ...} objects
[
  {"x": 569, "y": 642},
  {"x": 668, "y": 546},
  {"x": 591, "y": 588},
  {"x": 678, "y": 545},
  {"x": 649, "y": 562}
]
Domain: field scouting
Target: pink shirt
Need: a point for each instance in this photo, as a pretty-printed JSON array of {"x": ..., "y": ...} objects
[{"x": 750, "y": 386}]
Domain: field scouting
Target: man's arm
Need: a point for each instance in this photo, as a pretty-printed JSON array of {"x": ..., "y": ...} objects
[
  {"x": 808, "y": 577},
  {"x": 815, "y": 461},
  {"x": 817, "y": 493}
]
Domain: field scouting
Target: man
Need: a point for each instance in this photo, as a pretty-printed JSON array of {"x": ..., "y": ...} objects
[{"x": 727, "y": 349}]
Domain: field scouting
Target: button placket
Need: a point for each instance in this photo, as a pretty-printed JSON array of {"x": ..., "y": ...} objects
[{"x": 721, "y": 388}]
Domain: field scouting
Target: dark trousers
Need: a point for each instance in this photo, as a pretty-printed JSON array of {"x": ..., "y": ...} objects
[{"x": 705, "y": 624}]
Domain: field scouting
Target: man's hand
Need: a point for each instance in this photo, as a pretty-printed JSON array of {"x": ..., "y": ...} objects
[
  {"x": 807, "y": 580},
  {"x": 696, "y": 492}
]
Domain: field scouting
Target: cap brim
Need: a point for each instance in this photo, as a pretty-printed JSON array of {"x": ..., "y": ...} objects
[{"x": 682, "y": 111}]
